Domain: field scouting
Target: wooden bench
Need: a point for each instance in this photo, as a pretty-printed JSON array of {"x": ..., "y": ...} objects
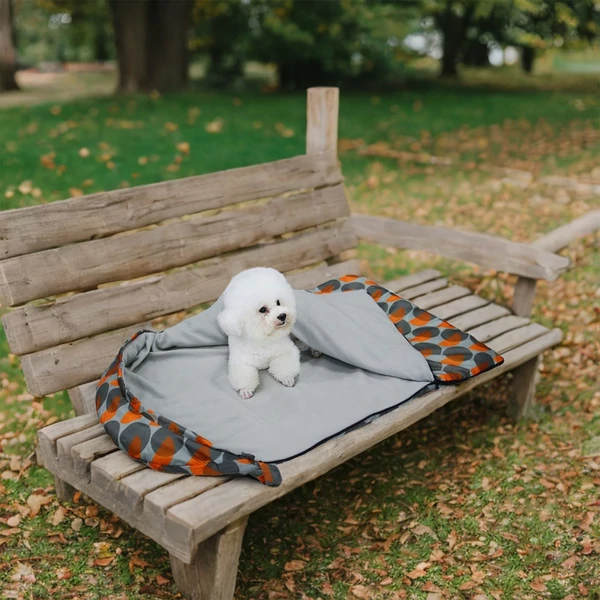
[{"x": 87, "y": 272}]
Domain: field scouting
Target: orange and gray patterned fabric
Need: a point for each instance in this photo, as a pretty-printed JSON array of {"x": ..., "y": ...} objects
[
  {"x": 165, "y": 445},
  {"x": 452, "y": 354}
]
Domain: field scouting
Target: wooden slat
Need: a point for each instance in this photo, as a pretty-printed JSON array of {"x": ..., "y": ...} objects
[
  {"x": 83, "y": 266},
  {"x": 305, "y": 280},
  {"x": 72, "y": 364},
  {"x": 485, "y": 250},
  {"x": 458, "y": 307},
  {"x": 36, "y": 327},
  {"x": 429, "y": 301},
  {"x": 412, "y": 280},
  {"x": 83, "y": 397},
  {"x": 486, "y": 332},
  {"x": 517, "y": 337},
  {"x": 424, "y": 288},
  {"x": 213, "y": 510},
  {"x": 27, "y": 230},
  {"x": 562, "y": 236},
  {"x": 83, "y": 454},
  {"x": 191, "y": 518},
  {"x": 479, "y": 316}
]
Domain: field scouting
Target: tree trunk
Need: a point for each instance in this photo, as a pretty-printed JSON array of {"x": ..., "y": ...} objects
[
  {"x": 8, "y": 55},
  {"x": 151, "y": 38},
  {"x": 476, "y": 54},
  {"x": 166, "y": 57},
  {"x": 454, "y": 33},
  {"x": 130, "y": 39},
  {"x": 527, "y": 59}
]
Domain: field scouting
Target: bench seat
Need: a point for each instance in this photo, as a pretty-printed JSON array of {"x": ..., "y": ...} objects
[{"x": 180, "y": 512}]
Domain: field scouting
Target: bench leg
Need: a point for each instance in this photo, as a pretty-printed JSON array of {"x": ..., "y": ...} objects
[
  {"x": 525, "y": 378},
  {"x": 64, "y": 491},
  {"x": 212, "y": 574}
]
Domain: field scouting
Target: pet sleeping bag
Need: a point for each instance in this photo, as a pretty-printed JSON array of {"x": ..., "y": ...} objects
[{"x": 166, "y": 399}]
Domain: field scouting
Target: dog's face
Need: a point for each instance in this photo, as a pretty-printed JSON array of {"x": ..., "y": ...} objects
[{"x": 259, "y": 305}]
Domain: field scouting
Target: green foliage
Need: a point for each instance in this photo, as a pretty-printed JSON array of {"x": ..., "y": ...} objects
[{"x": 64, "y": 30}]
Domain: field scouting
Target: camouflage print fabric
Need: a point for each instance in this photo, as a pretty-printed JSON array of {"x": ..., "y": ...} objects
[
  {"x": 164, "y": 445},
  {"x": 452, "y": 354}
]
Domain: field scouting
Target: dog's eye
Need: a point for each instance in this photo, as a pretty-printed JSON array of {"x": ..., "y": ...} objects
[
  {"x": 278, "y": 303},
  {"x": 263, "y": 310}
]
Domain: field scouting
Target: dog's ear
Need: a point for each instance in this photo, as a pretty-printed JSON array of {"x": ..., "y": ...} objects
[{"x": 230, "y": 322}]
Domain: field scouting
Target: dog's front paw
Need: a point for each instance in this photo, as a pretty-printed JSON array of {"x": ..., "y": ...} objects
[
  {"x": 315, "y": 353},
  {"x": 289, "y": 381},
  {"x": 246, "y": 394}
]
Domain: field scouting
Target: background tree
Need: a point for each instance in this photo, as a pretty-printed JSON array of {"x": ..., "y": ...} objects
[
  {"x": 8, "y": 55},
  {"x": 151, "y": 40}
]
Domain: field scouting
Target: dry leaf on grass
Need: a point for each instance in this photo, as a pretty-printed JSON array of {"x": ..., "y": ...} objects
[{"x": 294, "y": 565}]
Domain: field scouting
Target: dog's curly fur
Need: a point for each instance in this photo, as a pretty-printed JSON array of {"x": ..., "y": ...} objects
[{"x": 258, "y": 315}]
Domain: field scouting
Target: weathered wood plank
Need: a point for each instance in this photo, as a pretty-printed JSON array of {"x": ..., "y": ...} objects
[
  {"x": 83, "y": 266},
  {"x": 36, "y": 327},
  {"x": 458, "y": 307},
  {"x": 523, "y": 296},
  {"x": 322, "y": 107},
  {"x": 310, "y": 278},
  {"x": 66, "y": 443},
  {"x": 216, "y": 508},
  {"x": 485, "y": 250},
  {"x": 424, "y": 288},
  {"x": 213, "y": 572},
  {"x": 443, "y": 296},
  {"x": 479, "y": 316},
  {"x": 562, "y": 236},
  {"x": 517, "y": 337},
  {"x": 412, "y": 280},
  {"x": 491, "y": 330},
  {"x": 71, "y": 364},
  {"x": 27, "y": 230},
  {"x": 83, "y": 454},
  {"x": 525, "y": 378}
]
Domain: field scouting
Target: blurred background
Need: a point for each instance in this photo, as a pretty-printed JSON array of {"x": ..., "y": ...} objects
[
  {"x": 479, "y": 115},
  {"x": 288, "y": 44}
]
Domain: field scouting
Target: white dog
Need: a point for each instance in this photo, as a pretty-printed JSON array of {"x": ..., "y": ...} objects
[{"x": 258, "y": 315}]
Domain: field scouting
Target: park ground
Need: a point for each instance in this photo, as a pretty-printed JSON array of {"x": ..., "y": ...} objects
[{"x": 464, "y": 504}]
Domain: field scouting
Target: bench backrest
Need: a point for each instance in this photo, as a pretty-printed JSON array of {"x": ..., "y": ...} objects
[{"x": 91, "y": 271}]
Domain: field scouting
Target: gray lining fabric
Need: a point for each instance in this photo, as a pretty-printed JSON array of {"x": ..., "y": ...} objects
[{"x": 367, "y": 367}]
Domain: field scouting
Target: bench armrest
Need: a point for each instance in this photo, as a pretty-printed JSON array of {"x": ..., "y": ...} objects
[{"x": 484, "y": 250}]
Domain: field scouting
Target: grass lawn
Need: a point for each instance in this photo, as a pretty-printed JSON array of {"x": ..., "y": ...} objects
[{"x": 462, "y": 505}]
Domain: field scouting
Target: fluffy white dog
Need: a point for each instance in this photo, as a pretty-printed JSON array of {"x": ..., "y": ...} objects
[{"x": 258, "y": 315}]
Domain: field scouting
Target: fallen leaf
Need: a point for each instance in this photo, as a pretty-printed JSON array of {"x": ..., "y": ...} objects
[
  {"x": 452, "y": 539},
  {"x": 431, "y": 587},
  {"x": 467, "y": 585},
  {"x": 215, "y": 126},
  {"x": 183, "y": 147},
  {"x": 538, "y": 586},
  {"x": 36, "y": 501},
  {"x": 103, "y": 562},
  {"x": 294, "y": 565},
  {"x": 136, "y": 561},
  {"x": 386, "y": 581},
  {"x": 76, "y": 524},
  {"x": 423, "y": 529},
  {"x": 162, "y": 580},
  {"x": 416, "y": 573},
  {"x": 84, "y": 152},
  {"x": 169, "y": 126},
  {"x": 23, "y": 572},
  {"x": 359, "y": 591},
  {"x": 13, "y": 521},
  {"x": 63, "y": 573},
  {"x": 570, "y": 562}
]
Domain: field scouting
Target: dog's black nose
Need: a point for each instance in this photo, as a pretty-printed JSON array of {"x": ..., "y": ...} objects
[{"x": 282, "y": 317}]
